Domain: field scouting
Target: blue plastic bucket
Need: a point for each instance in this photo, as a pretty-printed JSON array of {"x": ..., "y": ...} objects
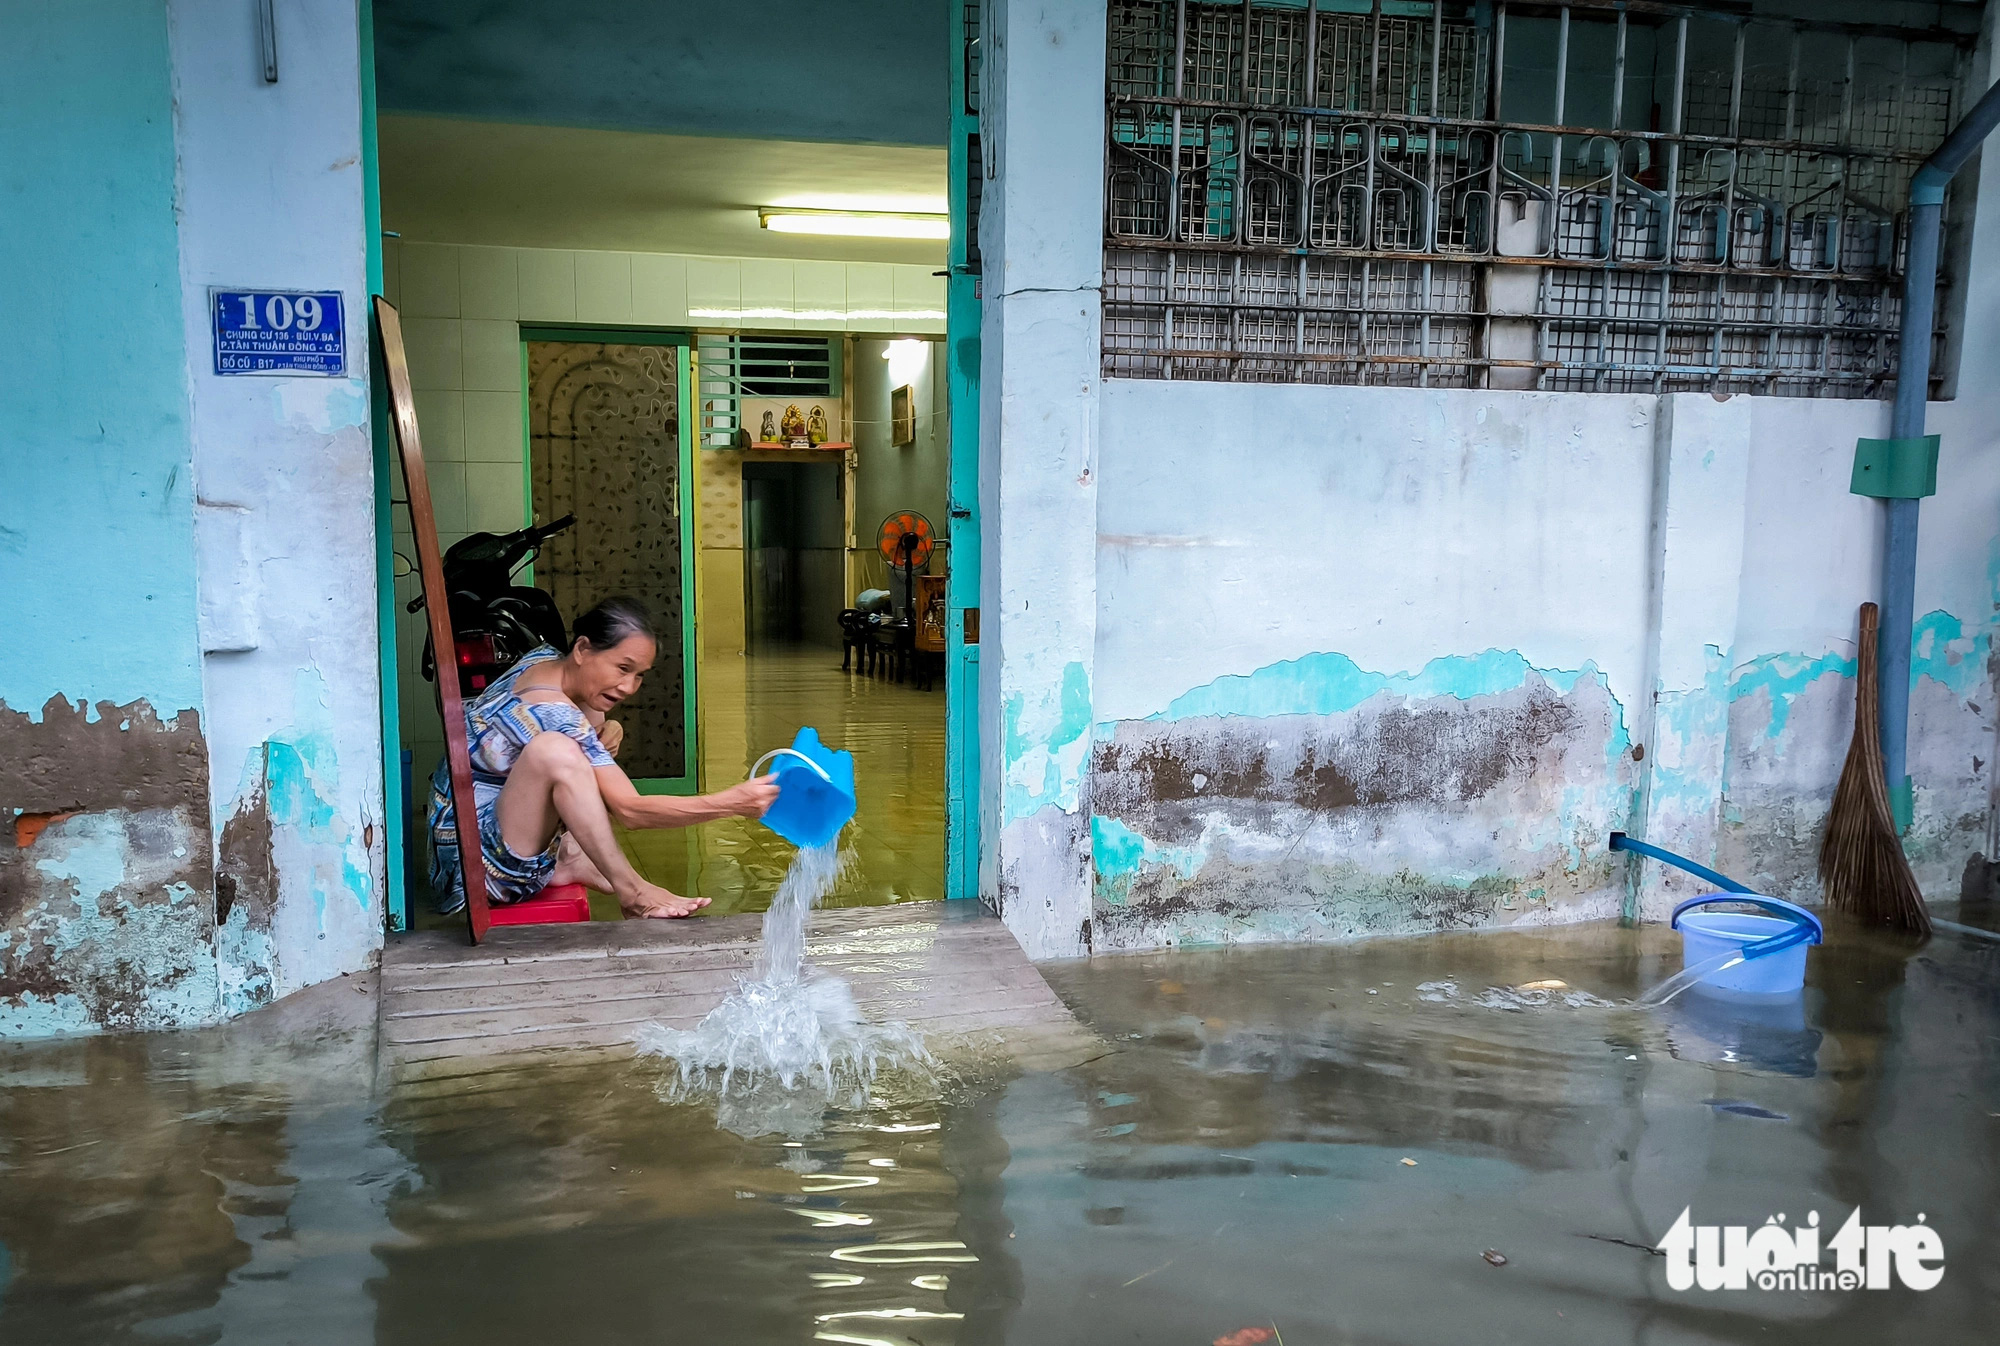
[
  {"x": 815, "y": 790},
  {"x": 1780, "y": 969}
]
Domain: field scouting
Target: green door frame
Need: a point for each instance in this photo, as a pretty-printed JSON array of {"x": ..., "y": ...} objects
[
  {"x": 962, "y": 588},
  {"x": 961, "y": 659},
  {"x": 683, "y": 343},
  {"x": 395, "y": 806}
]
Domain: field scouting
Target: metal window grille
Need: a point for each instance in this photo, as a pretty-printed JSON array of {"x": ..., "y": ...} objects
[
  {"x": 730, "y": 367},
  {"x": 975, "y": 193},
  {"x": 1590, "y": 196},
  {"x": 968, "y": 28}
]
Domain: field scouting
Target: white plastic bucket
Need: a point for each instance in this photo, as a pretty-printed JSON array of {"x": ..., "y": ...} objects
[{"x": 1710, "y": 934}]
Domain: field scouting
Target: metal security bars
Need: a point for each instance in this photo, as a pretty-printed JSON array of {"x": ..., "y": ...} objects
[
  {"x": 729, "y": 368},
  {"x": 1582, "y": 196},
  {"x": 968, "y": 34}
]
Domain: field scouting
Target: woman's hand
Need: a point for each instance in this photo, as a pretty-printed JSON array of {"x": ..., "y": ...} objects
[
  {"x": 751, "y": 799},
  {"x": 624, "y": 802},
  {"x": 612, "y": 735}
]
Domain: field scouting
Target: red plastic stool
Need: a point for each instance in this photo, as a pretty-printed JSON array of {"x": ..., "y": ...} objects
[{"x": 559, "y": 905}]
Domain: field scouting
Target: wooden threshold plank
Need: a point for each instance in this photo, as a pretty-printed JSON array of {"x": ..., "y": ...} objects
[
  {"x": 971, "y": 946},
  {"x": 1036, "y": 1042},
  {"x": 596, "y": 939},
  {"x": 936, "y": 954},
  {"x": 867, "y": 981},
  {"x": 580, "y": 974},
  {"x": 481, "y": 1022},
  {"x": 534, "y": 996},
  {"x": 403, "y": 968},
  {"x": 605, "y": 938}
]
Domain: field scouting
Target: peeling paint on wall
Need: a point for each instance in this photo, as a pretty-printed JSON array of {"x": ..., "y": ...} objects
[
  {"x": 1791, "y": 718},
  {"x": 1315, "y": 799},
  {"x": 295, "y": 896},
  {"x": 246, "y": 896},
  {"x": 1047, "y": 744},
  {"x": 105, "y": 912}
]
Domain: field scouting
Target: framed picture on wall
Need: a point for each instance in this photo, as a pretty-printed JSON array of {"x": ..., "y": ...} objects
[{"x": 903, "y": 415}]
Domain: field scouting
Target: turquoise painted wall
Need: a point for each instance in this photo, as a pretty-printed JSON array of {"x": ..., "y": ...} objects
[
  {"x": 107, "y": 912},
  {"x": 871, "y": 71},
  {"x": 97, "y": 576}
]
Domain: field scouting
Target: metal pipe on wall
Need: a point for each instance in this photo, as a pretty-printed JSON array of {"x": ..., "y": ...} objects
[{"x": 1913, "y": 376}]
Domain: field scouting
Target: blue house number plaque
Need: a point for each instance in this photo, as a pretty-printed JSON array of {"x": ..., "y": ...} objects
[{"x": 285, "y": 332}]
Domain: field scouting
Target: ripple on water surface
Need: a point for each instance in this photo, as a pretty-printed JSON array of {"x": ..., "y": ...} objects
[{"x": 1235, "y": 1160}]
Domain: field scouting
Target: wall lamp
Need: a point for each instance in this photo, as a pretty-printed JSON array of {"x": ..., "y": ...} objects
[{"x": 855, "y": 223}]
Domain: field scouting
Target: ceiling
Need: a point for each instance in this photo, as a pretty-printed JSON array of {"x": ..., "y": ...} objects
[
  {"x": 868, "y": 71},
  {"x": 447, "y": 179}
]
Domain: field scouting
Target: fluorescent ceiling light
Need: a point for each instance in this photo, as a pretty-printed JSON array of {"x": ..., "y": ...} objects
[
  {"x": 907, "y": 360},
  {"x": 820, "y": 314},
  {"x": 856, "y": 223},
  {"x": 873, "y": 203}
]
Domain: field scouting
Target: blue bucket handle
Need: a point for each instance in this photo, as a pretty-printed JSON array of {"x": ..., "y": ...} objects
[
  {"x": 1806, "y": 927},
  {"x": 794, "y": 752}
]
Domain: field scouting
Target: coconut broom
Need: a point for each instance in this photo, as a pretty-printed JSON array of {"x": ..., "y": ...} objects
[{"x": 1861, "y": 863}]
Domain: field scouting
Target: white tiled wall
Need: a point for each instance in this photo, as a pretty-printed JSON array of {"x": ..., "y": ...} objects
[{"x": 462, "y": 308}]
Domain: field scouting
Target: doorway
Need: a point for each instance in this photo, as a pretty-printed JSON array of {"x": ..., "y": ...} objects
[
  {"x": 497, "y": 232},
  {"x": 608, "y": 443},
  {"x": 794, "y": 554}
]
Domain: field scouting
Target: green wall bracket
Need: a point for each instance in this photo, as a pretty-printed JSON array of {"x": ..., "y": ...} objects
[
  {"x": 1895, "y": 469},
  {"x": 1903, "y": 805}
]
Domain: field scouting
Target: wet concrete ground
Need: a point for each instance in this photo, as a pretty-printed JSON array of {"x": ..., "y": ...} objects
[{"x": 1235, "y": 1162}]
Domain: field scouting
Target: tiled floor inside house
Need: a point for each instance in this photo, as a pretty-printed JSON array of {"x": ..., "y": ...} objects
[{"x": 757, "y": 702}]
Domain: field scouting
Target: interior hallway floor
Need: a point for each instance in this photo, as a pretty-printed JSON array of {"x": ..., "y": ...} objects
[{"x": 756, "y": 702}]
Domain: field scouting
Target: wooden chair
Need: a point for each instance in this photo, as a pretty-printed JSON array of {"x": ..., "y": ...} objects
[
  {"x": 853, "y": 640},
  {"x": 928, "y": 639}
]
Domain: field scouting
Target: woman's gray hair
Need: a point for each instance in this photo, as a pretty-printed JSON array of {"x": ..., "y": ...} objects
[{"x": 611, "y": 621}]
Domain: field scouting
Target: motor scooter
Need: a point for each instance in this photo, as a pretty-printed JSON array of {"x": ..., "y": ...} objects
[{"x": 495, "y": 621}]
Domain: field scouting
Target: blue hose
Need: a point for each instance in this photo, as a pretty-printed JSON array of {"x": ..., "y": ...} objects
[
  {"x": 1806, "y": 927},
  {"x": 1621, "y": 842}
]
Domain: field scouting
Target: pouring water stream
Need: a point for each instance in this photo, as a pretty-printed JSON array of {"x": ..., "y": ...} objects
[{"x": 788, "y": 1041}]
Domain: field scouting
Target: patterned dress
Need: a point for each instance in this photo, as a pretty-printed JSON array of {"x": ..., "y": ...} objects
[{"x": 498, "y": 725}]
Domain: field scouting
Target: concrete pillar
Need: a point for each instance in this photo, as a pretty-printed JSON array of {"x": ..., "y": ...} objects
[
  {"x": 273, "y": 196},
  {"x": 1701, "y": 477},
  {"x": 1041, "y": 240}
]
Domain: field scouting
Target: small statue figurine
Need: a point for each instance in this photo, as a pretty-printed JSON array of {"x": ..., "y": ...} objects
[
  {"x": 794, "y": 427},
  {"x": 816, "y": 427},
  {"x": 768, "y": 432}
]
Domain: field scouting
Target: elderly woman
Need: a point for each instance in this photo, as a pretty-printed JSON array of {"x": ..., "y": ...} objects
[{"x": 546, "y": 784}]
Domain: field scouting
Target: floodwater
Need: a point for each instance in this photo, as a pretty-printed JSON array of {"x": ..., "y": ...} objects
[
  {"x": 752, "y": 704},
  {"x": 1235, "y": 1160}
]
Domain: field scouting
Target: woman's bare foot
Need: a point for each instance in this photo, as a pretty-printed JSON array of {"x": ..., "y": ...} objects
[{"x": 652, "y": 902}]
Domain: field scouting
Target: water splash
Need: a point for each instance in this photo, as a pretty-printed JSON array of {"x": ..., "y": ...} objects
[
  {"x": 1528, "y": 996},
  {"x": 1687, "y": 977},
  {"x": 784, "y": 1046}
]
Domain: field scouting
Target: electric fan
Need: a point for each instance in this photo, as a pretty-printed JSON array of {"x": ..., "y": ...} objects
[{"x": 905, "y": 541}]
